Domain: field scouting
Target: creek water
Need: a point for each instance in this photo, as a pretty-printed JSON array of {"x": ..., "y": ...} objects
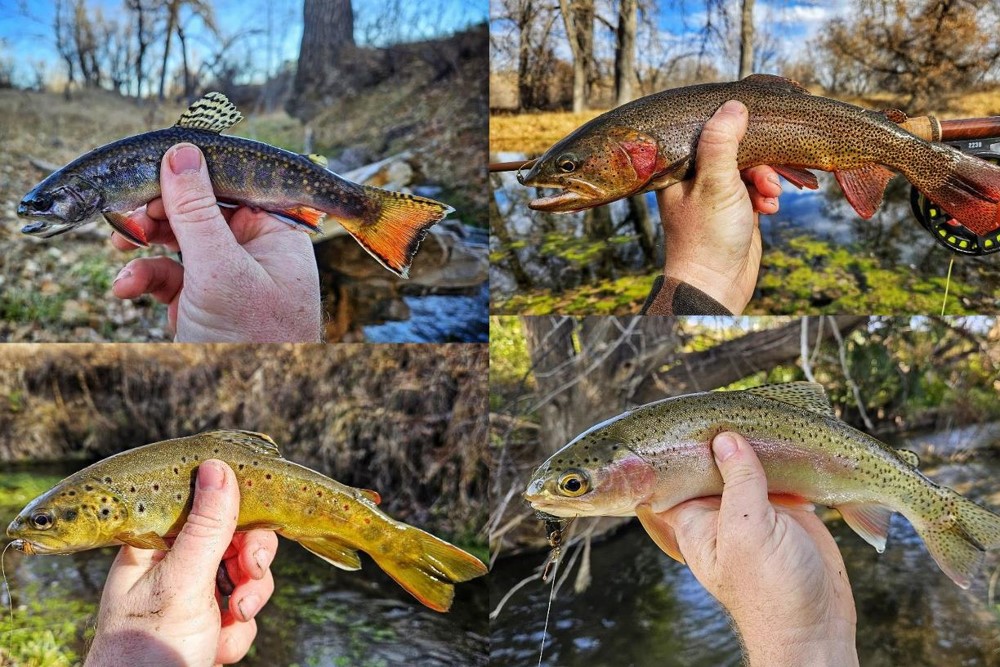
[
  {"x": 642, "y": 608},
  {"x": 893, "y": 237},
  {"x": 319, "y": 616}
]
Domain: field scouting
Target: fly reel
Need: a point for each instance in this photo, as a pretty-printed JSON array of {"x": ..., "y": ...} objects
[{"x": 951, "y": 233}]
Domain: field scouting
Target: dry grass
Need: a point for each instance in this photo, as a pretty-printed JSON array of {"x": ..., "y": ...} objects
[
  {"x": 405, "y": 420},
  {"x": 533, "y": 133}
]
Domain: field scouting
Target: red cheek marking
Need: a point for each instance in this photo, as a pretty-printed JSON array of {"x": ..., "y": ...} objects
[{"x": 644, "y": 155}]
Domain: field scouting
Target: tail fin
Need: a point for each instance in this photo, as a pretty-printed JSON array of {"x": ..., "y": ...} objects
[
  {"x": 968, "y": 189},
  {"x": 959, "y": 538},
  {"x": 427, "y": 566},
  {"x": 396, "y": 228}
]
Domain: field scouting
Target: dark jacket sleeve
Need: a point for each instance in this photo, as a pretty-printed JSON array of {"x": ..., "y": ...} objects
[{"x": 670, "y": 296}]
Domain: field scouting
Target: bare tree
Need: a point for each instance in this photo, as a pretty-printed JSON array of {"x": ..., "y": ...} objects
[
  {"x": 144, "y": 23},
  {"x": 628, "y": 20},
  {"x": 578, "y": 18},
  {"x": 746, "y": 39},
  {"x": 174, "y": 24},
  {"x": 328, "y": 30}
]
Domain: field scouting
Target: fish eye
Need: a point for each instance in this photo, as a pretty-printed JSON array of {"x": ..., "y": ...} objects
[
  {"x": 41, "y": 202},
  {"x": 566, "y": 163},
  {"x": 42, "y": 520},
  {"x": 574, "y": 483}
]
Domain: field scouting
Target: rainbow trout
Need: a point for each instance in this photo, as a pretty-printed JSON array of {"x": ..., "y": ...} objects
[
  {"x": 658, "y": 455},
  {"x": 649, "y": 144},
  {"x": 143, "y": 495},
  {"x": 116, "y": 179}
]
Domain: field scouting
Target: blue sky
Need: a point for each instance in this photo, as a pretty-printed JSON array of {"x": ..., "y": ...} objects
[{"x": 26, "y": 27}]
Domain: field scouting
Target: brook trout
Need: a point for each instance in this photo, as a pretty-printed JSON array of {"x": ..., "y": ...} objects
[
  {"x": 649, "y": 144},
  {"x": 118, "y": 178},
  {"x": 659, "y": 455},
  {"x": 143, "y": 495}
]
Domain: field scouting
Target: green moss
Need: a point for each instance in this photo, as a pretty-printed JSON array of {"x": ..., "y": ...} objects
[
  {"x": 621, "y": 296},
  {"x": 18, "y": 305}
]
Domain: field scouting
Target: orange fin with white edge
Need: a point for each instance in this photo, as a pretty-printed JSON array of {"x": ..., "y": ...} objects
[
  {"x": 426, "y": 566},
  {"x": 303, "y": 217},
  {"x": 865, "y": 187},
  {"x": 127, "y": 227},
  {"x": 398, "y": 224},
  {"x": 871, "y": 522},
  {"x": 371, "y": 495},
  {"x": 797, "y": 176},
  {"x": 659, "y": 531}
]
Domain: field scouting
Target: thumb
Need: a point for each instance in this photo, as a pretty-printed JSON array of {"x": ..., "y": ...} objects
[
  {"x": 190, "y": 204},
  {"x": 719, "y": 142},
  {"x": 209, "y": 528},
  {"x": 744, "y": 492}
]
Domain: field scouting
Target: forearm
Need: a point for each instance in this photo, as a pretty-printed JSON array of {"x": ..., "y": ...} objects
[{"x": 831, "y": 644}]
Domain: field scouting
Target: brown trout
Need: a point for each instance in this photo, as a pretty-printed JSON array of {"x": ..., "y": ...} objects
[
  {"x": 143, "y": 495},
  {"x": 649, "y": 144},
  {"x": 658, "y": 455},
  {"x": 116, "y": 179}
]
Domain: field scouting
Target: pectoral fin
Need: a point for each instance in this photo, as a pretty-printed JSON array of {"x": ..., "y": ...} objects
[
  {"x": 143, "y": 541},
  {"x": 333, "y": 552},
  {"x": 127, "y": 227},
  {"x": 871, "y": 522},
  {"x": 797, "y": 176},
  {"x": 659, "y": 531}
]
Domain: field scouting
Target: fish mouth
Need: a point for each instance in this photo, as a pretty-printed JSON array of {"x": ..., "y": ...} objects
[
  {"x": 24, "y": 547},
  {"x": 45, "y": 227},
  {"x": 576, "y": 196}
]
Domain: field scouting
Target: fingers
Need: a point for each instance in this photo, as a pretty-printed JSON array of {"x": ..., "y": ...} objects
[
  {"x": 715, "y": 158},
  {"x": 250, "y": 597},
  {"x": 255, "y": 551},
  {"x": 744, "y": 494},
  {"x": 234, "y": 642},
  {"x": 160, "y": 277},
  {"x": 764, "y": 187},
  {"x": 128, "y": 567},
  {"x": 190, "y": 205},
  {"x": 208, "y": 530}
]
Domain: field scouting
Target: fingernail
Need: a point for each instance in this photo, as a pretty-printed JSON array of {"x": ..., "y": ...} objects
[
  {"x": 263, "y": 559},
  {"x": 249, "y": 606},
  {"x": 773, "y": 178},
  {"x": 724, "y": 446},
  {"x": 124, "y": 273},
  {"x": 184, "y": 159},
  {"x": 733, "y": 107},
  {"x": 771, "y": 201},
  {"x": 211, "y": 475}
]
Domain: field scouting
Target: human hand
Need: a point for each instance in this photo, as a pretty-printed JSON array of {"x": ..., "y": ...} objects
[
  {"x": 710, "y": 222},
  {"x": 776, "y": 569},
  {"x": 251, "y": 278},
  {"x": 163, "y": 608}
]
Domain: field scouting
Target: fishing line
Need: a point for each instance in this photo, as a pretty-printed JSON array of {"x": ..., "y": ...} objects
[
  {"x": 947, "y": 284},
  {"x": 554, "y": 563},
  {"x": 10, "y": 599}
]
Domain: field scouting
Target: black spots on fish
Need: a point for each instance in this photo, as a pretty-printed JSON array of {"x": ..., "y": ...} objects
[
  {"x": 142, "y": 508},
  {"x": 156, "y": 487},
  {"x": 131, "y": 489},
  {"x": 216, "y": 450},
  {"x": 305, "y": 488},
  {"x": 105, "y": 512},
  {"x": 104, "y": 499},
  {"x": 69, "y": 515},
  {"x": 184, "y": 459},
  {"x": 179, "y": 496},
  {"x": 319, "y": 494},
  {"x": 88, "y": 487},
  {"x": 241, "y": 466},
  {"x": 177, "y": 470},
  {"x": 195, "y": 457},
  {"x": 256, "y": 463},
  {"x": 107, "y": 480}
]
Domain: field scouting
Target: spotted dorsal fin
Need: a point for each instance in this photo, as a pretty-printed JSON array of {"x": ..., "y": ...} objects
[
  {"x": 212, "y": 113},
  {"x": 318, "y": 159},
  {"x": 806, "y": 395},
  {"x": 908, "y": 457},
  {"x": 775, "y": 81},
  {"x": 260, "y": 442}
]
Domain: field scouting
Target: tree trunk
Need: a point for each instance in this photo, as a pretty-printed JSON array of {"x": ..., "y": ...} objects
[
  {"x": 173, "y": 8},
  {"x": 499, "y": 227},
  {"x": 638, "y": 211},
  {"x": 628, "y": 19},
  {"x": 578, "y": 17},
  {"x": 181, "y": 38},
  {"x": 746, "y": 39},
  {"x": 328, "y": 29}
]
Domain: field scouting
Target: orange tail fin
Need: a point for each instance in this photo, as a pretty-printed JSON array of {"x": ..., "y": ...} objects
[
  {"x": 969, "y": 191},
  {"x": 396, "y": 229},
  {"x": 427, "y": 567}
]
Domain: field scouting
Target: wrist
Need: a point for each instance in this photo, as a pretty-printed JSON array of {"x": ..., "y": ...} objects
[
  {"x": 827, "y": 644},
  {"x": 726, "y": 287}
]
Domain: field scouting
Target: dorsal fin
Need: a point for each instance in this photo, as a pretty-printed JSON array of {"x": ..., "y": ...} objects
[
  {"x": 212, "y": 113},
  {"x": 260, "y": 442},
  {"x": 908, "y": 457},
  {"x": 775, "y": 81},
  {"x": 806, "y": 395},
  {"x": 319, "y": 159}
]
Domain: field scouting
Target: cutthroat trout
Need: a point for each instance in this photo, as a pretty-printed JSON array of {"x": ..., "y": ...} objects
[
  {"x": 143, "y": 495},
  {"x": 116, "y": 179},
  {"x": 659, "y": 455},
  {"x": 649, "y": 144}
]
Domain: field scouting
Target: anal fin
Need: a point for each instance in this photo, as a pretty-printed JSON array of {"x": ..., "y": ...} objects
[
  {"x": 869, "y": 521},
  {"x": 659, "y": 531},
  {"x": 127, "y": 227},
  {"x": 864, "y": 187},
  {"x": 333, "y": 552}
]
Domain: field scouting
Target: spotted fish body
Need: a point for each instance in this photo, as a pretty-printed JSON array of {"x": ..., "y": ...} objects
[
  {"x": 118, "y": 178},
  {"x": 143, "y": 495},
  {"x": 650, "y": 143},
  {"x": 656, "y": 456}
]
